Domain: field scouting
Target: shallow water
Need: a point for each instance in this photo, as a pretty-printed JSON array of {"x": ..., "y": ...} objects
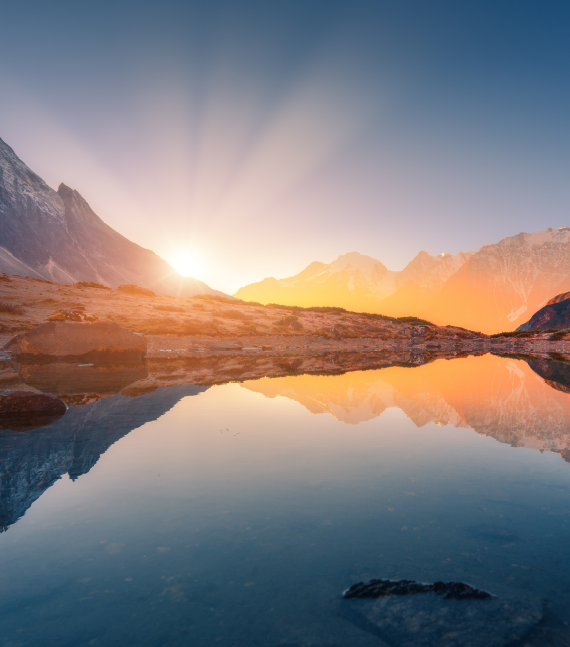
[{"x": 237, "y": 514}]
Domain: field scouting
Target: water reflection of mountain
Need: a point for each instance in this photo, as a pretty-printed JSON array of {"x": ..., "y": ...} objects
[
  {"x": 31, "y": 462},
  {"x": 508, "y": 399},
  {"x": 499, "y": 397}
]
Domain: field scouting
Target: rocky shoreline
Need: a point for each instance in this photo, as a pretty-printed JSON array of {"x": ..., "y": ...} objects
[
  {"x": 177, "y": 326},
  {"x": 160, "y": 346},
  {"x": 211, "y": 340}
]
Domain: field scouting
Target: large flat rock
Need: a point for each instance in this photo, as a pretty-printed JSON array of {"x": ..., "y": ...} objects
[{"x": 59, "y": 339}]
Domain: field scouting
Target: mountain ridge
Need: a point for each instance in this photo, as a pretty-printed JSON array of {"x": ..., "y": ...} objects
[{"x": 56, "y": 236}]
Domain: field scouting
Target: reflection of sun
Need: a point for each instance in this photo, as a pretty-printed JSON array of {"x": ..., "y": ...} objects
[{"x": 185, "y": 263}]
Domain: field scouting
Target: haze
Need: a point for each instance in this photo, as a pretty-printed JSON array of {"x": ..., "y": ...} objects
[{"x": 245, "y": 140}]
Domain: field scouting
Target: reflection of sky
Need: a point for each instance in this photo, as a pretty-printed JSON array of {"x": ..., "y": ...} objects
[
  {"x": 230, "y": 129},
  {"x": 183, "y": 533}
]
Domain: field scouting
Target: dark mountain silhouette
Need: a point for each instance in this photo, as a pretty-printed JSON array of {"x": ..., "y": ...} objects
[
  {"x": 555, "y": 314},
  {"x": 31, "y": 462},
  {"x": 57, "y": 236}
]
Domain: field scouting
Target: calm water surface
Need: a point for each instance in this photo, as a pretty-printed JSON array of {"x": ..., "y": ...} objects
[{"x": 237, "y": 514}]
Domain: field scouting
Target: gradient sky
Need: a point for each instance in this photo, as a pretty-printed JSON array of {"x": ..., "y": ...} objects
[{"x": 253, "y": 138}]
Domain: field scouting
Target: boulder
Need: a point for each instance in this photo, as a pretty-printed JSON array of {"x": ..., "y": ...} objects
[{"x": 67, "y": 339}]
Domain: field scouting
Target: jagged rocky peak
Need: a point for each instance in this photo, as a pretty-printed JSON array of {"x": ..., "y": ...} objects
[
  {"x": 66, "y": 192},
  {"x": 357, "y": 262},
  {"x": 83, "y": 221},
  {"x": 352, "y": 280},
  {"x": 431, "y": 271},
  {"x": 71, "y": 196},
  {"x": 22, "y": 189},
  {"x": 417, "y": 266}
]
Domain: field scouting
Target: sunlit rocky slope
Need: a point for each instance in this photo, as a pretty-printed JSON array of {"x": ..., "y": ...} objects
[
  {"x": 493, "y": 289},
  {"x": 56, "y": 236},
  {"x": 554, "y": 315}
]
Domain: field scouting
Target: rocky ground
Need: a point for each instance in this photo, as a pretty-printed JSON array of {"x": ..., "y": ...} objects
[
  {"x": 195, "y": 325},
  {"x": 200, "y": 324}
]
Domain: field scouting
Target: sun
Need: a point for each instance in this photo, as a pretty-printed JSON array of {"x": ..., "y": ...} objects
[{"x": 185, "y": 263}]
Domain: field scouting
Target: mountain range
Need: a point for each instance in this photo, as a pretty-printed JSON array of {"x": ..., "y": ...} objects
[
  {"x": 490, "y": 290},
  {"x": 56, "y": 236}
]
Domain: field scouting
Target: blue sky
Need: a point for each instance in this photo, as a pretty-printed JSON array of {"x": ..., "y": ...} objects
[{"x": 247, "y": 139}]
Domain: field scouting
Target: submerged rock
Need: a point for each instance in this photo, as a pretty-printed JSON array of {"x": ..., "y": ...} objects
[
  {"x": 429, "y": 620},
  {"x": 448, "y": 614},
  {"x": 380, "y": 588},
  {"x": 81, "y": 340}
]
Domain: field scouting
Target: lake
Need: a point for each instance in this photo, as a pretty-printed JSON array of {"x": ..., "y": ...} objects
[{"x": 237, "y": 514}]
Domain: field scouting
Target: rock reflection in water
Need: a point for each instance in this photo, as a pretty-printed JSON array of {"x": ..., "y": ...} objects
[
  {"x": 78, "y": 384},
  {"x": 224, "y": 367},
  {"x": 31, "y": 462},
  {"x": 28, "y": 421}
]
